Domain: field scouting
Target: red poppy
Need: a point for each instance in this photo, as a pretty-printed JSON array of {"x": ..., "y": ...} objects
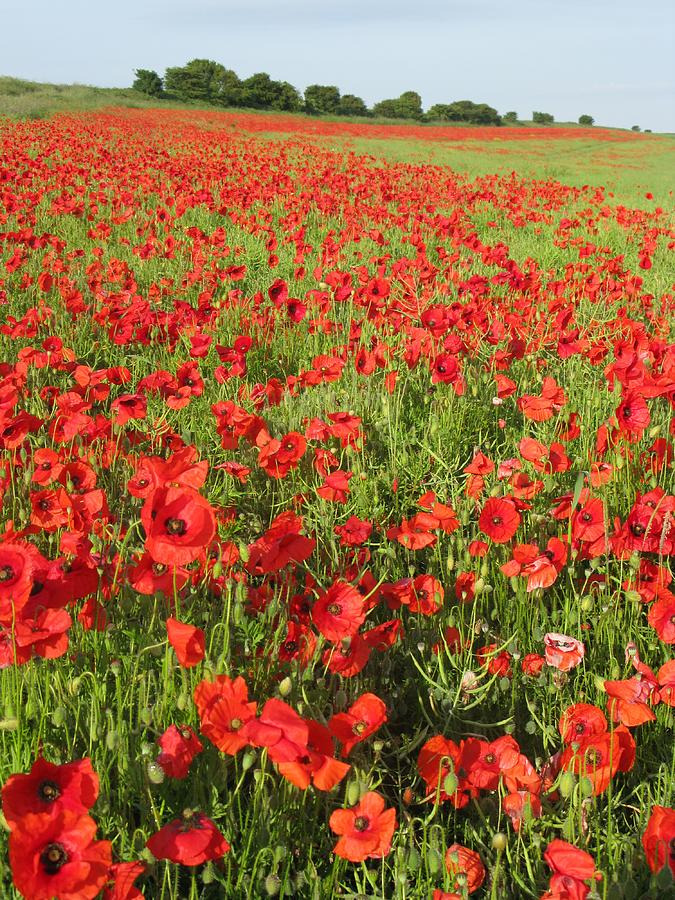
[
  {"x": 627, "y": 701},
  {"x": 354, "y": 532},
  {"x": 565, "y": 859},
  {"x": 658, "y": 840},
  {"x": 179, "y": 524},
  {"x": 224, "y": 708},
  {"x": 349, "y": 657},
  {"x": 188, "y": 641},
  {"x": 532, "y": 664},
  {"x": 339, "y": 611},
  {"x": 362, "y": 719},
  {"x": 122, "y": 876},
  {"x": 666, "y": 681},
  {"x": 280, "y": 730},
  {"x": 57, "y": 856},
  {"x": 179, "y": 746},
  {"x": 465, "y": 867},
  {"x": 499, "y": 519},
  {"x": 633, "y": 415},
  {"x": 365, "y": 830},
  {"x": 148, "y": 577},
  {"x": 563, "y": 652},
  {"x": 191, "y": 840},
  {"x": 581, "y": 721},
  {"x": 49, "y": 789},
  {"x": 662, "y": 615},
  {"x": 317, "y": 766},
  {"x": 18, "y": 564},
  {"x": 520, "y": 805}
]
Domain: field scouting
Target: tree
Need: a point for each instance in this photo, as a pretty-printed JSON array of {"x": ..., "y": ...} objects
[
  {"x": 148, "y": 82},
  {"x": 465, "y": 111},
  {"x": 635, "y": 128},
  {"x": 586, "y": 120},
  {"x": 407, "y": 106},
  {"x": 261, "y": 92},
  {"x": 351, "y": 105},
  {"x": 322, "y": 99},
  {"x": 200, "y": 80},
  {"x": 542, "y": 118},
  {"x": 510, "y": 118},
  {"x": 229, "y": 89}
]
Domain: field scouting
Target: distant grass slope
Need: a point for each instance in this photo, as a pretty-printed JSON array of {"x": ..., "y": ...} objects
[{"x": 36, "y": 100}]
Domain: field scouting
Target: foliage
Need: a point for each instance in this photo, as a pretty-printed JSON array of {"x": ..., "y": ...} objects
[
  {"x": 407, "y": 106},
  {"x": 148, "y": 82},
  {"x": 464, "y": 111},
  {"x": 510, "y": 118},
  {"x": 322, "y": 99},
  {"x": 542, "y": 118},
  {"x": 586, "y": 120}
]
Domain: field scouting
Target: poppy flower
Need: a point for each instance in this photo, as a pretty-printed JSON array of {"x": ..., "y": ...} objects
[
  {"x": 188, "y": 641},
  {"x": 57, "y": 856},
  {"x": 365, "y": 830},
  {"x": 224, "y": 708},
  {"x": 179, "y": 524},
  {"x": 349, "y": 657},
  {"x": 466, "y": 868},
  {"x": 563, "y": 652},
  {"x": 499, "y": 519},
  {"x": 658, "y": 840},
  {"x": 179, "y": 746},
  {"x": 317, "y": 766},
  {"x": 280, "y": 729},
  {"x": 581, "y": 721},
  {"x": 520, "y": 805},
  {"x": 661, "y": 615},
  {"x": 49, "y": 789},
  {"x": 121, "y": 881},
  {"x": 362, "y": 719},
  {"x": 666, "y": 681},
  {"x": 18, "y": 564},
  {"x": 354, "y": 532},
  {"x": 191, "y": 840},
  {"x": 339, "y": 611},
  {"x": 565, "y": 859}
]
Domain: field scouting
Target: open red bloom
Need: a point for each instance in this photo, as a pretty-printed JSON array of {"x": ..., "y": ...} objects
[
  {"x": 190, "y": 841},
  {"x": 662, "y": 615},
  {"x": 365, "y": 830},
  {"x": 179, "y": 524},
  {"x": 179, "y": 746},
  {"x": 659, "y": 839},
  {"x": 499, "y": 519},
  {"x": 563, "y": 652},
  {"x": 339, "y": 612},
  {"x": 317, "y": 766},
  {"x": 49, "y": 789},
  {"x": 122, "y": 876},
  {"x": 57, "y": 856},
  {"x": 187, "y": 640},
  {"x": 224, "y": 708},
  {"x": 361, "y": 720},
  {"x": 465, "y": 867},
  {"x": 281, "y": 730},
  {"x": 566, "y": 859}
]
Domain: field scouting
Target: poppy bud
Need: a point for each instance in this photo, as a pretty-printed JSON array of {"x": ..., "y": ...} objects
[
  {"x": 182, "y": 701},
  {"x": 414, "y": 860},
  {"x": 58, "y": 716},
  {"x": 567, "y": 784},
  {"x": 499, "y": 841},
  {"x": 434, "y": 861},
  {"x": 247, "y": 760},
  {"x": 155, "y": 772},
  {"x": 285, "y": 687},
  {"x": 112, "y": 740},
  {"x": 450, "y": 784},
  {"x": 9, "y": 723},
  {"x": 272, "y": 885},
  {"x": 353, "y": 792},
  {"x": 586, "y": 787}
]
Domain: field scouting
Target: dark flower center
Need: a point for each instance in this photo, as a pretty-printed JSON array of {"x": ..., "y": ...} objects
[
  {"x": 496, "y": 520},
  {"x": 580, "y": 728},
  {"x": 49, "y": 791},
  {"x": 359, "y": 727},
  {"x": 593, "y": 757},
  {"x": 43, "y": 505},
  {"x": 158, "y": 568},
  {"x": 627, "y": 412},
  {"x": 176, "y": 527},
  {"x": 361, "y": 823},
  {"x": 291, "y": 646},
  {"x": 235, "y": 724},
  {"x": 489, "y": 758},
  {"x": 335, "y": 609},
  {"x": 587, "y": 517},
  {"x": 53, "y": 858},
  {"x": 637, "y": 529},
  {"x": 6, "y": 573}
]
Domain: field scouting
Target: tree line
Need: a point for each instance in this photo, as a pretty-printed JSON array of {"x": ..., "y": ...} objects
[{"x": 208, "y": 82}]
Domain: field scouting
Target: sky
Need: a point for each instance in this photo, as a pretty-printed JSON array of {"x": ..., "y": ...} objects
[{"x": 611, "y": 59}]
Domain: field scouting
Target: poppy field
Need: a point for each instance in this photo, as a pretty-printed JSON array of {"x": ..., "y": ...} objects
[{"x": 338, "y": 514}]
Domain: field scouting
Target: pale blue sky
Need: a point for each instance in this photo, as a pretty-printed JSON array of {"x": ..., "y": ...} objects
[{"x": 612, "y": 59}]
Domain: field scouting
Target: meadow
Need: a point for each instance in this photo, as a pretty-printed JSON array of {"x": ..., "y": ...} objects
[{"x": 338, "y": 509}]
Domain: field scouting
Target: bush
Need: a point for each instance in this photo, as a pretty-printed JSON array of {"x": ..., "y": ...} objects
[
  {"x": 542, "y": 118},
  {"x": 510, "y": 118},
  {"x": 148, "y": 82},
  {"x": 586, "y": 120}
]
